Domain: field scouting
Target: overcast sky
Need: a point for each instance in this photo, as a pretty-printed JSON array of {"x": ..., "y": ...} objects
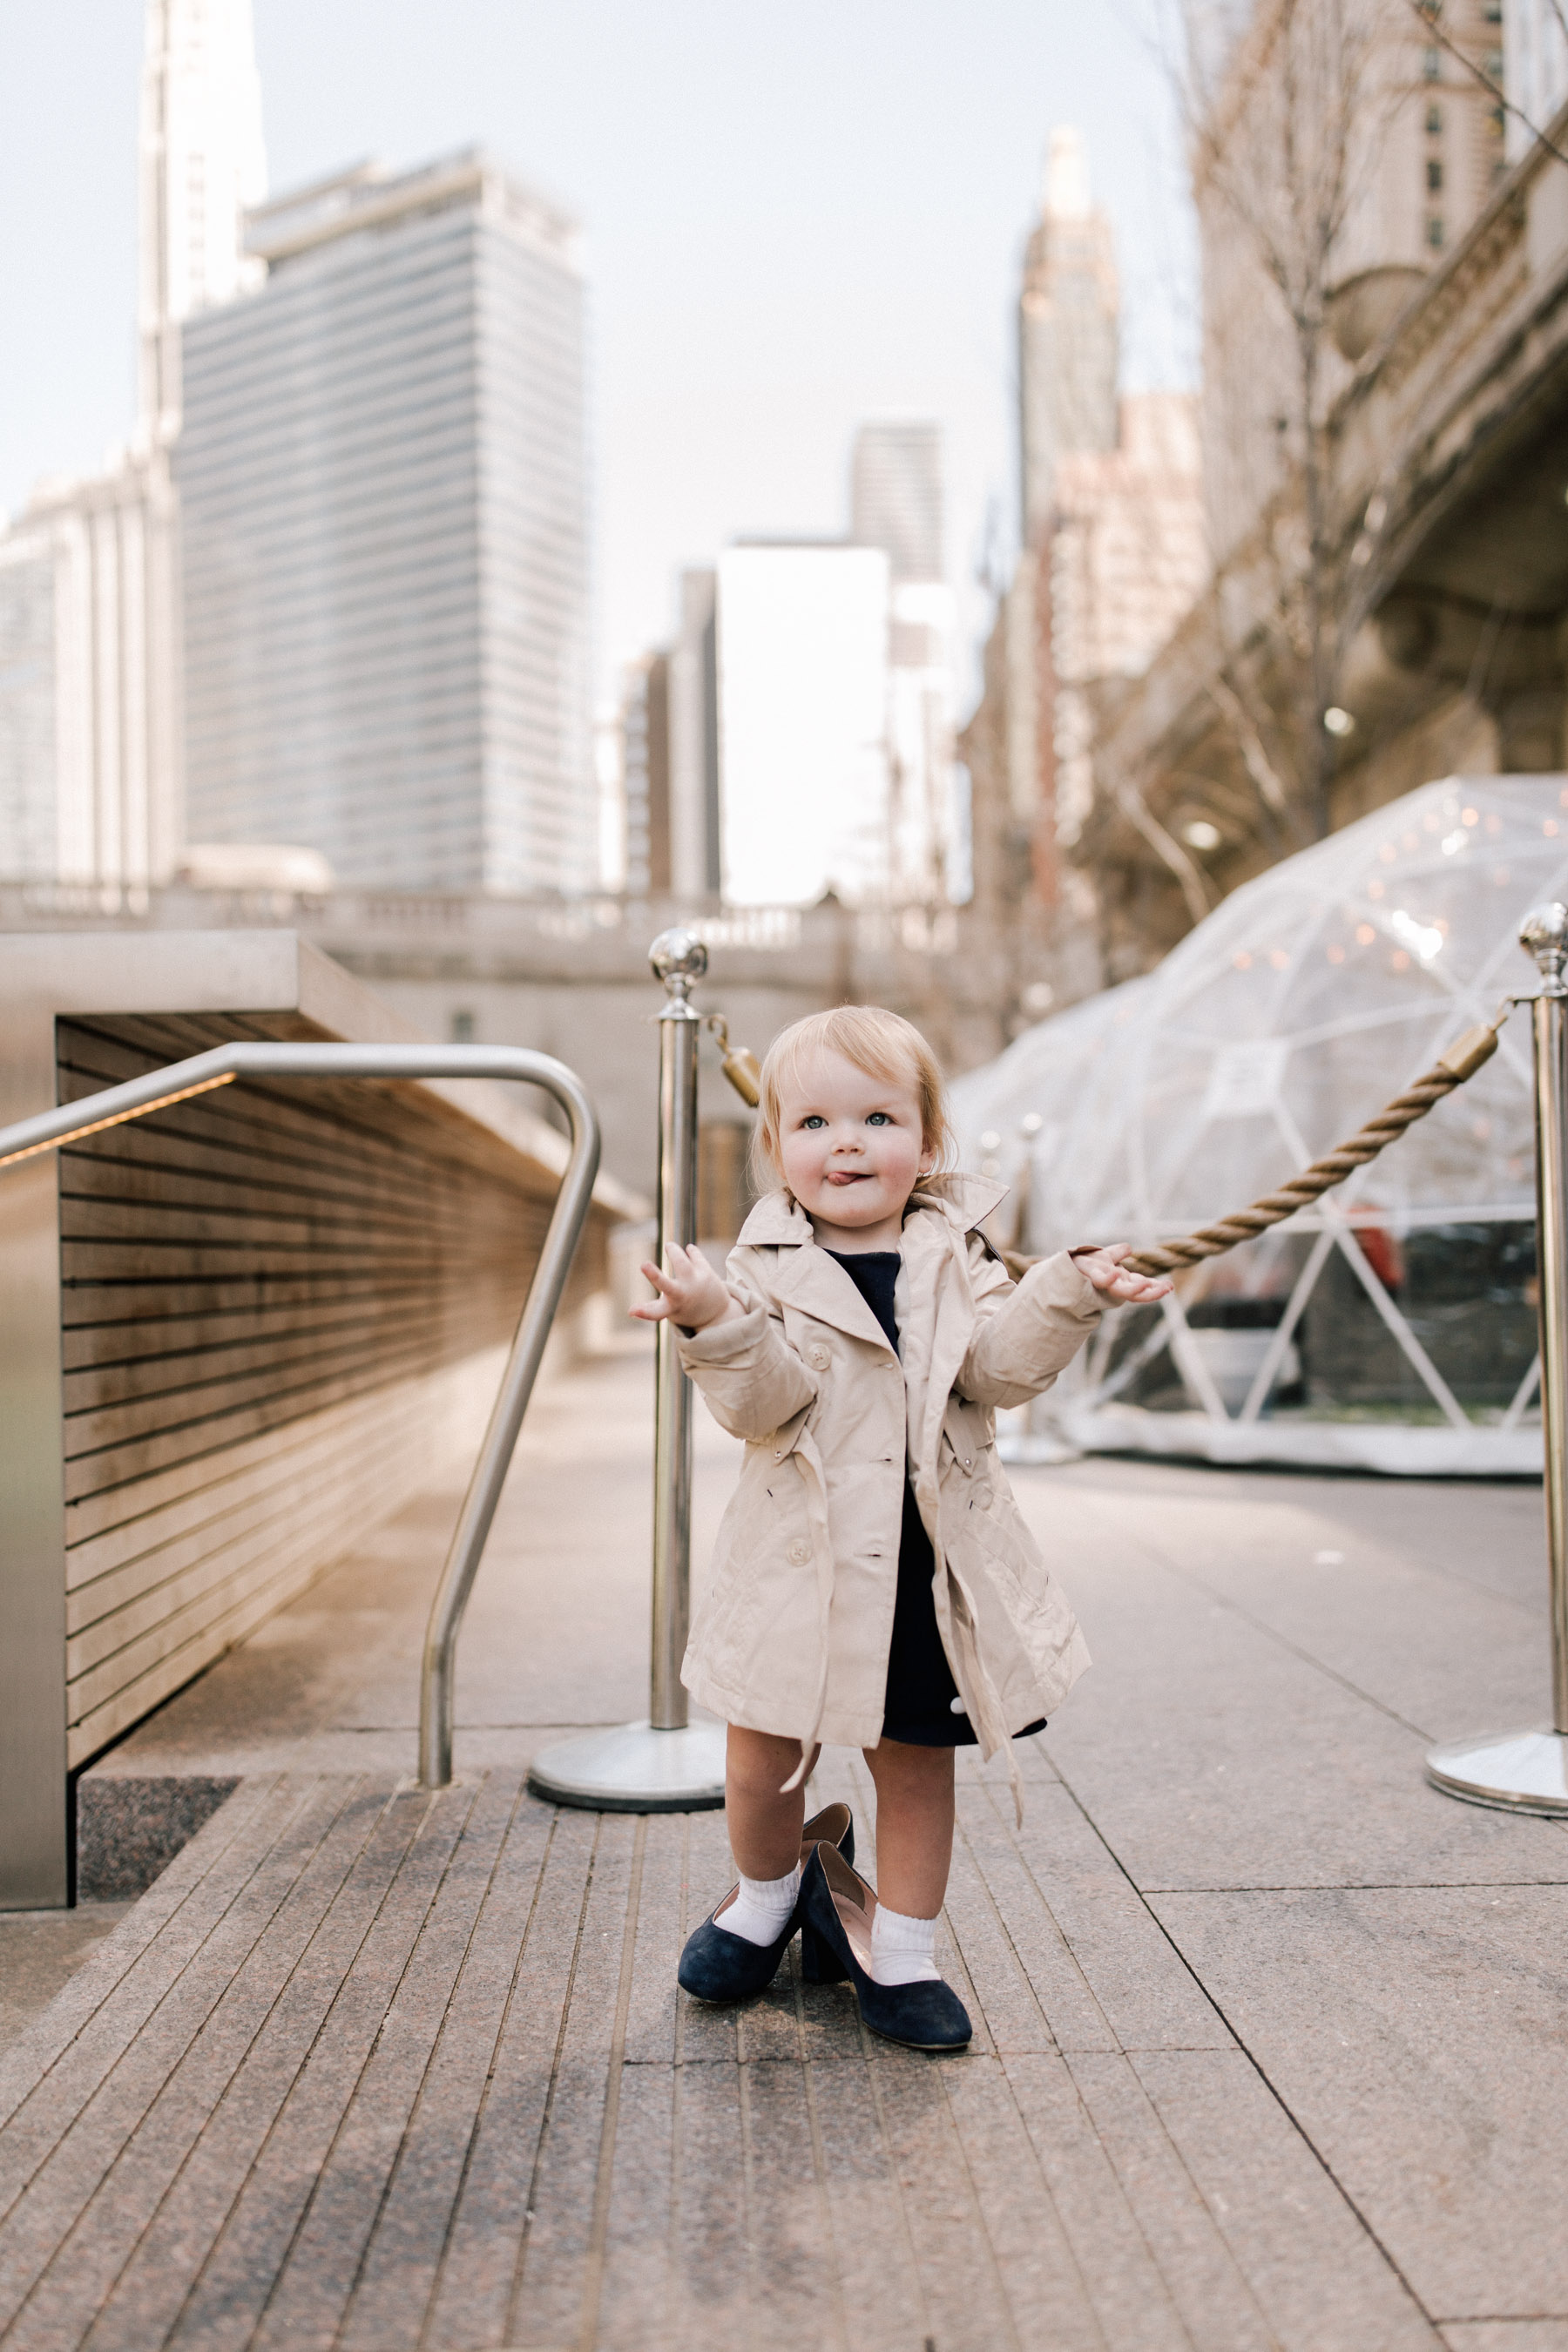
[{"x": 797, "y": 218}]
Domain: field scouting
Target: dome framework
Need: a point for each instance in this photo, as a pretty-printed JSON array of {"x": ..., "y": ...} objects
[{"x": 1392, "y": 1326}]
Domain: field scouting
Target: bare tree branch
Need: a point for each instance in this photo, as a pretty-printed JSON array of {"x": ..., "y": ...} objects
[
  {"x": 1434, "y": 30},
  {"x": 1254, "y": 756},
  {"x": 1131, "y": 801}
]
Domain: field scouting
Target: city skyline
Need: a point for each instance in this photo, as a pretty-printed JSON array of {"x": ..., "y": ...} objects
[{"x": 735, "y": 346}]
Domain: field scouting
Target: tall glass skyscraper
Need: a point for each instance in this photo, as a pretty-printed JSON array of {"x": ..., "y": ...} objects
[
  {"x": 1068, "y": 332},
  {"x": 381, "y": 479},
  {"x": 895, "y": 495}
]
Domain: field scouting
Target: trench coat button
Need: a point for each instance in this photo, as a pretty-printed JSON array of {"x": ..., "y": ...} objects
[
  {"x": 800, "y": 1552},
  {"x": 968, "y": 1462},
  {"x": 821, "y": 1358}
]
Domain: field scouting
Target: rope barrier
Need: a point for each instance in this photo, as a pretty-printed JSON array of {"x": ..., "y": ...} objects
[{"x": 1463, "y": 1059}]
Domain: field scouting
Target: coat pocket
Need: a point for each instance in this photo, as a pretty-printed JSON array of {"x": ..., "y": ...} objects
[{"x": 1009, "y": 1557}]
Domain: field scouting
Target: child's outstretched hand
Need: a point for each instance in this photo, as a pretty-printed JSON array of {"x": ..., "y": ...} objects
[
  {"x": 1104, "y": 1267},
  {"x": 689, "y": 1294}
]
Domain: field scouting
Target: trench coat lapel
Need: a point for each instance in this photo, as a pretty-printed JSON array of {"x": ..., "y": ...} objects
[
  {"x": 810, "y": 1278},
  {"x": 936, "y": 1255},
  {"x": 806, "y": 1276},
  {"x": 938, "y": 1288}
]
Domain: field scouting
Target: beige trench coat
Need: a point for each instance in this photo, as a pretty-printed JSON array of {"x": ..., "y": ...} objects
[{"x": 791, "y": 1632}]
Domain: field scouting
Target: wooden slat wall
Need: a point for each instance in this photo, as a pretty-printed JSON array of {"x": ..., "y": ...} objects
[{"x": 285, "y": 1309}]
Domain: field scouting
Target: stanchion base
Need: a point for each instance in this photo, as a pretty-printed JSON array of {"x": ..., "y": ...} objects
[
  {"x": 1522, "y": 1771},
  {"x": 635, "y": 1769}
]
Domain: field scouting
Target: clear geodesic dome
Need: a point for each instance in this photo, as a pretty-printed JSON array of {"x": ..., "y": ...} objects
[{"x": 1392, "y": 1325}]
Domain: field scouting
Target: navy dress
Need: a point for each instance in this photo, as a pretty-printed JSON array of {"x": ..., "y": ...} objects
[{"x": 918, "y": 1705}]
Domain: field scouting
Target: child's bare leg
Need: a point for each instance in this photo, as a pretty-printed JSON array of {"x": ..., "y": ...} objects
[
  {"x": 765, "y": 1826},
  {"x": 914, "y": 1825}
]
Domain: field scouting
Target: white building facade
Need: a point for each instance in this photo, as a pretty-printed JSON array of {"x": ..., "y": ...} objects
[
  {"x": 803, "y": 678},
  {"x": 897, "y": 503},
  {"x": 89, "y": 732}
]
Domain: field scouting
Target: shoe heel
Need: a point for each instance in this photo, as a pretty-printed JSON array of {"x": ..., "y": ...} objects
[{"x": 819, "y": 1964}]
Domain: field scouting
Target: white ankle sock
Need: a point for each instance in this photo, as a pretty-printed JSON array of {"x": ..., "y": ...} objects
[
  {"x": 761, "y": 1908},
  {"x": 901, "y": 1948}
]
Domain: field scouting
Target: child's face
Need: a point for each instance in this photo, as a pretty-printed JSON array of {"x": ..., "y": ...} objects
[{"x": 850, "y": 1144}]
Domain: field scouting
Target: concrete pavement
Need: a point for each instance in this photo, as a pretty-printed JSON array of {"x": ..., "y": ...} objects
[{"x": 1269, "y": 2042}]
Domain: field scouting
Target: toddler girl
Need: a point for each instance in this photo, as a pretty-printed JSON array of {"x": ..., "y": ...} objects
[{"x": 874, "y": 1584}]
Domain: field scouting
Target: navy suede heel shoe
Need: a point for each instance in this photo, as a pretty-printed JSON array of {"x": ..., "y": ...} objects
[
  {"x": 834, "y": 1826},
  {"x": 717, "y": 1967},
  {"x": 819, "y": 1964},
  {"x": 837, "y": 1907}
]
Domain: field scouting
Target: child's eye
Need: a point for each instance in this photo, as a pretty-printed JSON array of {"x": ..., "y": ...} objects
[
  {"x": 878, "y": 1118},
  {"x": 814, "y": 1118}
]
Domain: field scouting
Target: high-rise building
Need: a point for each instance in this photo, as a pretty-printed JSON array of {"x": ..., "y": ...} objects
[
  {"x": 1068, "y": 332},
  {"x": 668, "y": 742},
  {"x": 896, "y": 504},
  {"x": 645, "y": 776},
  {"x": 803, "y": 720},
  {"x": 1535, "y": 69},
  {"x": 696, "y": 868},
  {"x": 1125, "y": 562},
  {"x": 1115, "y": 554},
  {"x": 1068, "y": 352},
  {"x": 88, "y": 683},
  {"x": 89, "y": 707},
  {"x": 203, "y": 165},
  {"x": 382, "y": 477},
  {"x": 896, "y": 496}
]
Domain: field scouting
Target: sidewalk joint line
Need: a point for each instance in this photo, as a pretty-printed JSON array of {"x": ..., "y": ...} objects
[
  {"x": 497, "y": 2045},
  {"x": 593, "y": 2283},
  {"x": 541, "y": 2144}
]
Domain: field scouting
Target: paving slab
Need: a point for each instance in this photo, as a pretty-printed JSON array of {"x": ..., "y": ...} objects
[
  {"x": 1213, "y": 1750},
  {"x": 1436, "y": 1611},
  {"x": 40, "y": 1951},
  {"x": 1416, "y": 2038},
  {"x": 1317, "y": 2277}
]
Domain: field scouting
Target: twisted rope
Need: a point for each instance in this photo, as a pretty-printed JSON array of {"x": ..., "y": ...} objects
[{"x": 1461, "y": 1060}]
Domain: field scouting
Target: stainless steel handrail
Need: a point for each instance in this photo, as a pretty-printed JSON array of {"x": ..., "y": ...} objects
[{"x": 178, "y": 1081}]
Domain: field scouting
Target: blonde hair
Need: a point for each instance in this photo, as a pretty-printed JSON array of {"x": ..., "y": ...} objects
[{"x": 884, "y": 1045}]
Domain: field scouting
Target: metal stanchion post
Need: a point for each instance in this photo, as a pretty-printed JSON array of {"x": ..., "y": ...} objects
[
  {"x": 678, "y": 959},
  {"x": 662, "y": 1764},
  {"x": 1527, "y": 1771}
]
